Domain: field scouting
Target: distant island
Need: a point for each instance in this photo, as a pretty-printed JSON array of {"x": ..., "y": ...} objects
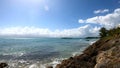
[
  {"x": 67, "y": 38},
  {"x": 80, "y": 38},
  {"x": 92, "y": 37}
]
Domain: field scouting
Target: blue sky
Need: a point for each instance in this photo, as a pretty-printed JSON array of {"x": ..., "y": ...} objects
[{"x": 55, "y": 15}]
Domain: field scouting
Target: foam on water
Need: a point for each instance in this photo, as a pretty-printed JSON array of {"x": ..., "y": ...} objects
[
  {"x": 32, "y": 64},
  {"x": 14, "y": 54},
  {"x": 92, "y": 42},
  {"x": 78, "y": 52}
]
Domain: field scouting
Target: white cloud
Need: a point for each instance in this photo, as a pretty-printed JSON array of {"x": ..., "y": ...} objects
[
  {"x": 82, "y": 31},
  {"x": 81, "y": 21},
  {"x": 101, "y": 11},
  {"x": 109, "y": 21}
]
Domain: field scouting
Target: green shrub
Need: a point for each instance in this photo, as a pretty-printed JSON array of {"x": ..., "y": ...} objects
[{"x": 107, "y": 33}]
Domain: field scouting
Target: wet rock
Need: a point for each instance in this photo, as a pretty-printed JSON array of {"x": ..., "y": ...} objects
[
  {"x": 49, "y": 67},
  {"x": 3, "y": 65}
]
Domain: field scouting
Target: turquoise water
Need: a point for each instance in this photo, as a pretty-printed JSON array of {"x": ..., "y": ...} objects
[{"x": 28, "y": 51}]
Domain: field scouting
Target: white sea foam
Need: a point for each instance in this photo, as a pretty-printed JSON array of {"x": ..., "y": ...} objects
[
  {"x": 92, "y": 42},
  {"x": 56, "y": 61},
  {"x": 78, "y": 52},
  {"x": 14, "y": 54},
  {"x": 32, "y": 64}
]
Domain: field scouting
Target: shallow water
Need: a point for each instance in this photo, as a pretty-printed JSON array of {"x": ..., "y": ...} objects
[{"x": 39, "y": 52}]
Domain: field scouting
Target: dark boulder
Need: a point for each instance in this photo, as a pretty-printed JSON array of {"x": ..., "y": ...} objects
[{"x": 3, "y": 65}]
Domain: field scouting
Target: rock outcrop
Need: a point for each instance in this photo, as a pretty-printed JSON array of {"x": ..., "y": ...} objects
[
  {"x": 3, "y": 65},
  {"x": 109, "y": 58},
  {"x": 105, "y": 53}
]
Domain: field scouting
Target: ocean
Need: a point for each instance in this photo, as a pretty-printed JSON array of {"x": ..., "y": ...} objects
[{"x": 39, "y": 52}]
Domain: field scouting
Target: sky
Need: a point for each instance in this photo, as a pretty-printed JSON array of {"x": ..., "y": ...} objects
[{"x": 57, "y": 18}]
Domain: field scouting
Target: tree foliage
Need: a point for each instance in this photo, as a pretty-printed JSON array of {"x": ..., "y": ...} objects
[
  {"x": 103, "y": 32},
  {"x": 112, "y": 32}
]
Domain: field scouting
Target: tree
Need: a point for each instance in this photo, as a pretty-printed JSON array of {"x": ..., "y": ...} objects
[{"x": 103, "y": 32}]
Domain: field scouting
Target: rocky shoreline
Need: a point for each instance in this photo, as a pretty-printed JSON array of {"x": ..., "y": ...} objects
[{"x": 105, "y": 53}]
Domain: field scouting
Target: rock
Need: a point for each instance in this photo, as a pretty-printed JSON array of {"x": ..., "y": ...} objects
[
  {"x": 3, "y": 65},
  {"x": 109, "y": 58},
  {"x": 49, "y": 67},
  {"x": 95, "y": 56}
]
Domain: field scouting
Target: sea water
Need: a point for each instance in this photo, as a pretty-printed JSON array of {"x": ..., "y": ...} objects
[{"x": 39, "y": 52}]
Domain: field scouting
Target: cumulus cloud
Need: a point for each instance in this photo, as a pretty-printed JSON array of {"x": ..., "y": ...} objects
[
  {"x": 109, "y": 21},
  {"x": 81, "y": 21},
  {"x": 101, "y": 11},
  {"x": 83, "y": 31}
]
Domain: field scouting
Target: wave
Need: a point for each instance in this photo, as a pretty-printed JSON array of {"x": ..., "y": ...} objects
[
  {"x": 32, "y": 64},
  {"x": 35, "y": 63},
  {"x": 79, "y": 52},
  {"x": 92, "y": 42},
  {"x": 14, "y": 54}
]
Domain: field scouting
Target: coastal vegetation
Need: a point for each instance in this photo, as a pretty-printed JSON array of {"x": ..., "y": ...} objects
[{"x": 109, "y": 33}]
